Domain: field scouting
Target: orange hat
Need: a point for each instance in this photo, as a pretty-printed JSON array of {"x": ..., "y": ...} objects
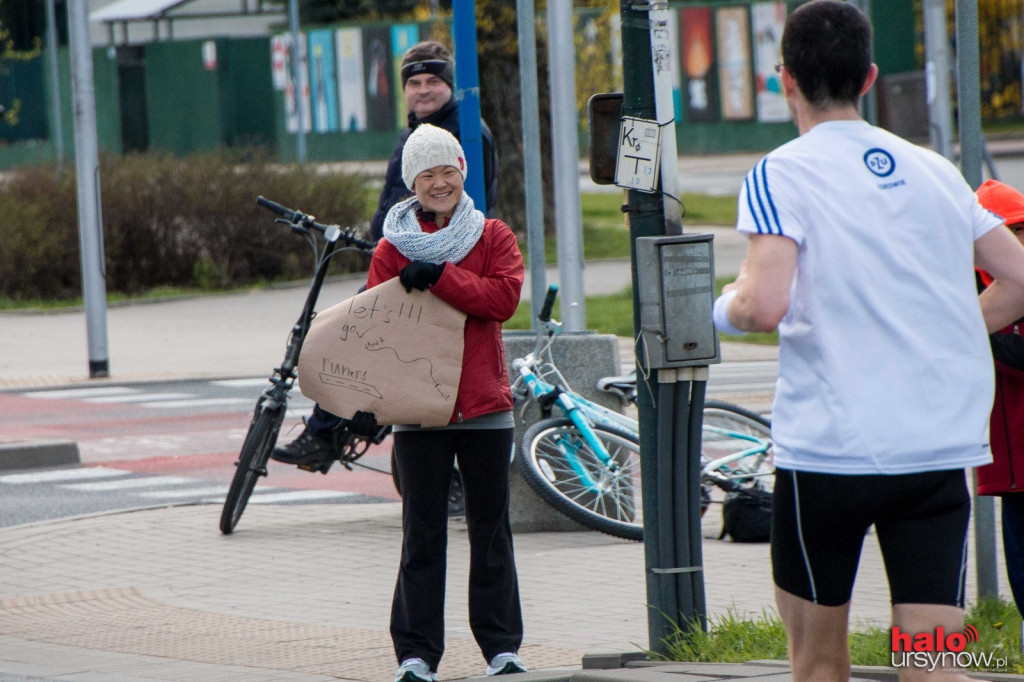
[{"x": 1003, "y": 200}]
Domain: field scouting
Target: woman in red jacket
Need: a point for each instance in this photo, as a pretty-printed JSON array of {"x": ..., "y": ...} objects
[
  {"x": 437, "y": 240},
  {"x": 1005, "y": 475}
]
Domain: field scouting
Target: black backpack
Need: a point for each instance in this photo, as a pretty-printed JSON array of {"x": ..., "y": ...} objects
[{"x": 747, "y": 515}]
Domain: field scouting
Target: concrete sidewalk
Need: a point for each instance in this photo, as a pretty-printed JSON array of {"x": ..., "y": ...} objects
[{"x": 302, "y": 593}]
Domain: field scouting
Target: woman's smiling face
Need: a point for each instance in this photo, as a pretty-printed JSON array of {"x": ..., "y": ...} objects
[{"x": 439, "y": 190}]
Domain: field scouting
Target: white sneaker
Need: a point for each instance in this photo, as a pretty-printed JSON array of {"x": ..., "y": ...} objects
[
  {"x": 415, "y": 670},
  {"x": 506, "y": 664}
]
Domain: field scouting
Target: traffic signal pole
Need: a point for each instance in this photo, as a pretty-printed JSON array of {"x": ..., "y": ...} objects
[{"x": 670, "y": 401}]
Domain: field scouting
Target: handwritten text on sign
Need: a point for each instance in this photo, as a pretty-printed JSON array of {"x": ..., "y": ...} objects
[
  {"x": 386, "y": 351},
  {"x": 639, "y": 154}
]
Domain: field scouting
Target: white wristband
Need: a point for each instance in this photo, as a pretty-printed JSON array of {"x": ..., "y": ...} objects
[{"x": 720, "y": 314}]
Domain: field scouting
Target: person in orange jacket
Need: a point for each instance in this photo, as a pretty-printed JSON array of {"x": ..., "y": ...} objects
[{"x": 1005, "y": 475}]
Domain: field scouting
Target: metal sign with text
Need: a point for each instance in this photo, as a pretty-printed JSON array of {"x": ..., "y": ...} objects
[{"x": 639, "y": 154}]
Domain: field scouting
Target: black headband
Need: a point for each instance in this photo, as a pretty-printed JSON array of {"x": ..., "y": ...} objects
[{"x": 441, "y": 68}]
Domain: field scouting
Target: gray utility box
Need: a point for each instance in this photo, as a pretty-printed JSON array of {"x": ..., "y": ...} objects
[{"x": 676, "y": 280}]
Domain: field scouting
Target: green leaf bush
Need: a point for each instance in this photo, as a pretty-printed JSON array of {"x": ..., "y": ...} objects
[{"x": 171, "y": 222}]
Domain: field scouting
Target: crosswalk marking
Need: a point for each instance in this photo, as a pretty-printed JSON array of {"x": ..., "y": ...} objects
[
  {"x": 128, "y": 483},
  {"x": 106, "y": 480},
  {"x": 170, "y": 399},
  {"x": 190, "y": 492},
  {"x": 75, "y": 393},
  {"x": 138, "y": 398},
  {"x": 57, "y": 475},
  {"x": 741, "y": 388},
  {"x": 241, "y": 383},
  {"x": 298, "y": 496},
  {"x": 198, "y": 402}
]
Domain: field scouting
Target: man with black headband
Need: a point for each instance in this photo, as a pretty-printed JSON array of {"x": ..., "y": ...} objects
[{"x": 427, "y": 78}]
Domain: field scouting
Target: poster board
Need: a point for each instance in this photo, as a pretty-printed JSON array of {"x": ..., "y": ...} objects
[
  {"x": 768, "y": 19},
  {"x": 386, "y": 351},
  {"x": 735, "y": 79},
  {"x": 698, "y": 61}
]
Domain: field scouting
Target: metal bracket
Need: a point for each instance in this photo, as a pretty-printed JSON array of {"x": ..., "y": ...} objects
[{"x": 685, "y": 569}]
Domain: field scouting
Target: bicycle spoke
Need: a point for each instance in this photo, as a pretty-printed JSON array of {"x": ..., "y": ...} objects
[{"x": 567, "y": 472}]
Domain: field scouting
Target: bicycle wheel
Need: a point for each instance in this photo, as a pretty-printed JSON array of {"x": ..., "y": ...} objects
[
  {"x": 566, "y": 472},
  {"x": 252, "y": 462},
  {"x": 725, "y": 426}
]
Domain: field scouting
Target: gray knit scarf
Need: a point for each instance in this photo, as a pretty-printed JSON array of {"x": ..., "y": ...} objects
[{"x": 448, "y": 245}]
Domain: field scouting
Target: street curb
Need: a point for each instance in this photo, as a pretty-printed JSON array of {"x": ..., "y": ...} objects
[{"x": 38, "y": 454}]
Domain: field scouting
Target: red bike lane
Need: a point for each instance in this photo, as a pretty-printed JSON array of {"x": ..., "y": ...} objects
[{"x": 202, "y": 446}]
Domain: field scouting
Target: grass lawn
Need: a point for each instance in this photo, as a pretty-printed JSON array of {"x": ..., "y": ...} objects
[
  {"x": 731, "y": 639},
  {"x": 604, "y": 229},
  {"x": 613, "y": 314}
]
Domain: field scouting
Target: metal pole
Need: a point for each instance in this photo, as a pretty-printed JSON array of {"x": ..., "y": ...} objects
[
  {"x": 971, "y": 142},
  {"x": 57, "y": 134},
  {"x": 565, "y": 161},
  {"x": 936, "y": 49},
  {"x": 869, "y": 101},
  {"x": 674, "y": 591},
  {"x": 90, "y": 224},
  {"x": 467, "y": 94},
  {"x": 533, "y": 188},
  {"x": 300, "y": 101},
  {"x": 662, "y": 60},
  {"x": 967, "y": 92}
]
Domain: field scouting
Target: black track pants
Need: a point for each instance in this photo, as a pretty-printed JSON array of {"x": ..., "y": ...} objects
[{"x": 425, "y": 460}]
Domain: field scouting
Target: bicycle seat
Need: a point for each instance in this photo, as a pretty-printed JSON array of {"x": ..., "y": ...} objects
[{"x": 623, "y": 385}]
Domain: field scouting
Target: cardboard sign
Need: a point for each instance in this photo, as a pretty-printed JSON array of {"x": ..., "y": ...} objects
[{"x": 386, "y": 351}]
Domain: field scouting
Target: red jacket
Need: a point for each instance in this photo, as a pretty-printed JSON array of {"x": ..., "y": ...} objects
[
  {"x": 486, "y": 286},
  {"x": 1006, "y": 472}
]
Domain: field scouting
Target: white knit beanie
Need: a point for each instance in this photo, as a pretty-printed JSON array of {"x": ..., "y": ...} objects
[{"x": 429, "y": 146}]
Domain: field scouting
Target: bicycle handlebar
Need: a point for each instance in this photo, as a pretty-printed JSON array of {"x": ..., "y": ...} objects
[
  {"x": 549, "y": 303},
  {"x": 300, "y": 219}
]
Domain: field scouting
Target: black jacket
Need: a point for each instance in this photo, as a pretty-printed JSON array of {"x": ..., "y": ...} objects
[{"x": 394, "y": 189}]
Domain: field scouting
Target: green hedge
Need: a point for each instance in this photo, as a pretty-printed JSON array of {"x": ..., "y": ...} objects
[{"x": 167, "y": 221}]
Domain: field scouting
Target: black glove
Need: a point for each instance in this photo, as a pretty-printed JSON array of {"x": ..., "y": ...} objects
[
  {"x": 364, "y": 424},
  {"x": 420, "y": 275}
]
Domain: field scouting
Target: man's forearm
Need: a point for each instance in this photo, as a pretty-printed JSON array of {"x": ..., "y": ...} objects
[{"x": 1001, "y": 305}]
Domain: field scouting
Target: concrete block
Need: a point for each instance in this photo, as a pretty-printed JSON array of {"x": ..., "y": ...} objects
[
  {"x": 583, "y": 358},
  {"x": 38, "y": 454},
  {"x": 653, "y": 674},
  {"x": 611, "y": 661}
]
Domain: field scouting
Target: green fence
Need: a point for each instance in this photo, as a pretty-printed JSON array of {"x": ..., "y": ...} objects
[{"x": 197, "y": 95}]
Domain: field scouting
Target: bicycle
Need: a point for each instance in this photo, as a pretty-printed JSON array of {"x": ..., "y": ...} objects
[
  {"x": 273, "y": 401},
  {"x": 586, "y": 463}
]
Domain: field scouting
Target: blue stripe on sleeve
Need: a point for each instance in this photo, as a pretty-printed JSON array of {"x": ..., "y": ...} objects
[
  {"x": 760, "y": 202},
  {"x": 768, "y": 194},
  {"x": 750, "y": 204}
]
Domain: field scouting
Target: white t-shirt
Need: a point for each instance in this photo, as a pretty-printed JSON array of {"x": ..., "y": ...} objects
[{"x": 884, "y": 360}]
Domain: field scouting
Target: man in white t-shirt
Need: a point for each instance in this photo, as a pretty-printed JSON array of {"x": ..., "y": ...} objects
[{"x": 861, "y": 253}]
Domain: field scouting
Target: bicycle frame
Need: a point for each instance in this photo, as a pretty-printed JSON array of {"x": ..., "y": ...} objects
[
  {"x": 273, "y": 401},
  {"x": 538, "y": 365}
]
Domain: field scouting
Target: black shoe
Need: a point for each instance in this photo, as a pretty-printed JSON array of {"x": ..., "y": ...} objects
[{"x": 306, "y": 449}]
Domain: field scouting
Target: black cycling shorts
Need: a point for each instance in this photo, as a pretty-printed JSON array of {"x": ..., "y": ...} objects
[{"x": 819, "y": 522}]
